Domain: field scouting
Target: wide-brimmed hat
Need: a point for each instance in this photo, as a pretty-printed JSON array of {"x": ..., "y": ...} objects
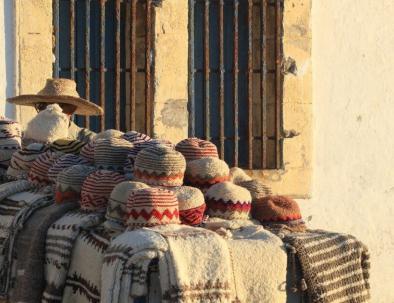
[{"x": 60, "y": 91}]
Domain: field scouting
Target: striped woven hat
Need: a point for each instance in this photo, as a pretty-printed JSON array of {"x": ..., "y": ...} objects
[
  {"x": 87, "y": 151},
  {"x": 116, "y": 210},
  {"x": 152, "y": 206},
  {"x": 10, "y": 140},
  {"x": 203, "y": 173},
  {"x": 194, "y": 148},
  {"x": 272, "y": 211},
  {"x": 238, "y": 175},
  {"x": 256, "y": 188},
  {"x": 137, "y": 147},
  {"x": 69, "y": 182},
  {"x": 38, "y": 174},
  {"x": 111, "y": 154},
  {"x": 67, "y": 146},
  {"x": 135, "y": 137},
  {"x": 23, "y": 159},
  {"x": 228, "y": 201},
  {"x": 160, "y": 165},
  {"x": 191, "y": 204},
  {"x": 63, "y": 162},
  {"x": 97, "y": 188},
  {"x": 108, "y": 134}
]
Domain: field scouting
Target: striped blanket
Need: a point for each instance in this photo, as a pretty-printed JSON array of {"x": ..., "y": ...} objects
[
  {"x": 334, "y": 266},
  {"x": 59, "y": 247},
  {"x": 15, "y": 210}
]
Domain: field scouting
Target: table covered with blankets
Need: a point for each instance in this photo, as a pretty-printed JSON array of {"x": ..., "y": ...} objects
[{"x": 126, "y": 218}]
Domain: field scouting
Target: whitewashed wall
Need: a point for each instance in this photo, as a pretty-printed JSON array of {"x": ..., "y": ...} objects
[
  {"x": 353, "y": 71},
  {"x": 7, "y": 57}
]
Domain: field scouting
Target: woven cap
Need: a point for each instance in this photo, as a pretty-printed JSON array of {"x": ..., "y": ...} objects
[
  {"x": 67, "y": 146},
  {"x": 191, "y": 204},
  {"x": 108, "y": 134},
  {"x": 87, "y": 151},
  {"x": 160, "y": 165},
  {"x": 228, "y": 201},
  {"x": 111, "y": 154},
  {"x": 69, "y": 182},
  {"x": 116, "y": 210},
  {"x": 23, "y": 159},
  {"x": 63, "y": 162},
  {"x": 256, "y": 188},
  {"x": 194, "y": 148},
  {"x": 238, "y": 175},
  {"x": 137, "y": 147},
  {"x": 8, "y": 146},
  {"x": 275, "y": 209},
  {"x": 152, "y": 206},
  {"x": 10, "y": 129},
  {"x": 207, "y": 171},
  {"x": 38, "y": 174},
  {"x": 97, "y": 188},
  {"x": 135, "y": 137}
]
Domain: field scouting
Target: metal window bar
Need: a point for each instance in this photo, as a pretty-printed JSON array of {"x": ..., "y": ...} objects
[
  {"x": 107, "y": 47},
  {"x": 235, "y": 79}
]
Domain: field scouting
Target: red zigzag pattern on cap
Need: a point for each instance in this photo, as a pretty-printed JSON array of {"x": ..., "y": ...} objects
[
  {"x": 224, "y": 206},
  {"x": 153, "y": 214}
]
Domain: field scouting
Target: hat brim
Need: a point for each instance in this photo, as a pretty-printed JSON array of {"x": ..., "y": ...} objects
[{"x": 84, "y": 107}]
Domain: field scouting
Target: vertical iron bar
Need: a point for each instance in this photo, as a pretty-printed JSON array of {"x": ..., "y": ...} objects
[
  {"x": 117, "y": 64},
  {"x": 192, "y": 109},
  {"x": 72, "y": 39},
  {"x": 250, "y": 85},
  {"x": 206, "y": 70},
  {"x": 133, "y": 68},
  {"x": 263, "y": 75},
  {"x": 221, "y": 89},
  {"x": 236, "y": 71},
  {"x": 102, "y": 62},
  {"x": 87, "y": 58},
  {"x": 56, "y": 4},
  {"x": 148, "y": 64},
  {"x": 278, "y": 82}
]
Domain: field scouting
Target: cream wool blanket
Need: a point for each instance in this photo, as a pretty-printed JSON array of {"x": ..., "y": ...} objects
[
  {"x": 259, "y": 260},
  {"x": 60, "y": 242},
  {"x": 194, "y": 265}
]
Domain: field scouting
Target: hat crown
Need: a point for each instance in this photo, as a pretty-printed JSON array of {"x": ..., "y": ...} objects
[{"x": 59, "y": 87}]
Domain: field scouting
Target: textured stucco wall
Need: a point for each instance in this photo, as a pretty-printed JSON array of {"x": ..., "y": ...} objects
[
  {"x": 353, "y": 78},
  {"x": 171, "y": 71}
]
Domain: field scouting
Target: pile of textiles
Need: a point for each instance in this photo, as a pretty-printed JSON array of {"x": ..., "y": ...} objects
[{"x": 127, "y": 218}]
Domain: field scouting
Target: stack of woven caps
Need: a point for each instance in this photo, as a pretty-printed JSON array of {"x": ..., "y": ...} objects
[
  {"x": 62, "y": 163},
  {"x": 111, "y": 154},
  {"x": 67, "y": 146}
]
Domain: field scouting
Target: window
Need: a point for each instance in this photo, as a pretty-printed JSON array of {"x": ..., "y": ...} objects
[
  {"x": 235, "y": 79},
  {"x": 107, "y": 47}
]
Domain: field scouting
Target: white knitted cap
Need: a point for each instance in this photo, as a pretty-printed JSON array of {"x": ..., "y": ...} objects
[
  {"x": 238, "y": 175},
  {"x": 49, "y": 125},
  {"x": 188, "y": 197},
  {"x": 207, "y": 170}
]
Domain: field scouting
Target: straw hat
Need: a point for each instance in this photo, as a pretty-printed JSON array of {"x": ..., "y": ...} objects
[{"x": 60, "y": 91}]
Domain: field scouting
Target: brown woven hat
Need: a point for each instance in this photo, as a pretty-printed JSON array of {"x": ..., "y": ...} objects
[{"x": 60, "y": 91}]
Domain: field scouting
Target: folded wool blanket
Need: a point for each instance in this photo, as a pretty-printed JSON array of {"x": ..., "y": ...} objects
[
  {"x": 15, "y": 210},
  {"x": 196, "y": 267},
  {"x": 60, "y": 241},
  {"x": 334, "y": 266},
  {"x": 14, "y": 187},
  {"x": 126, "y": 264},
  {"x": 83, "y": 282},
  {"x": 258, "y": 257},
  {"x": 30, "y": 247}
]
